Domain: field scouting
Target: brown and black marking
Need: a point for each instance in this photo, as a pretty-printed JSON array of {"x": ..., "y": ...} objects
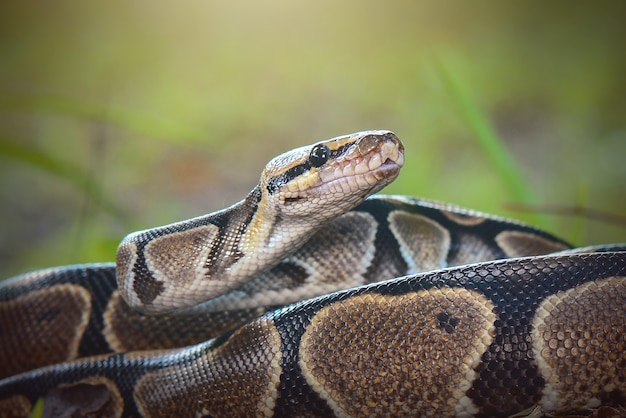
[
  {"x": 293, "y": 275},
  {"x": 100, "y": 281},
  {"x": 580, "y": 347},
  {"x": 289, "y": 361},
  {"x": 375, "y": 355},
  {"x": 452, "y": 235},
  {"x": 410, "y": 236},
  {"x": 220, "y": 233},
  {"x": 321, "y": 259},
  {"x": 59, "y": 313},
  {"x": 315, "y": 268},
  {"x": 424, "y": 243},
  {"x": 94, "y": 396},
  {"x": 347, "y": 240},
  {"x": 489, "y": 339},
  {"x": 127, "y": 330},
  {"x": 507, "y": 379},
  {"x": 232, "y": 224},
  {"x": 62, "y": 301},
  {"x": 236, "y": 378}
]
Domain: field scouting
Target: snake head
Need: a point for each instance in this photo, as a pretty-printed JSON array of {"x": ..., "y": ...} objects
[{"x": 323, "y": 180}]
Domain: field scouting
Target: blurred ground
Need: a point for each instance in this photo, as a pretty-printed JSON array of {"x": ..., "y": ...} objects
[{"x": 122, "y": 115}]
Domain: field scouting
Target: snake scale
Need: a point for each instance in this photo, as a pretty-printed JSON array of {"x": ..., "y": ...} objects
[{"x": 314, "y": 297}]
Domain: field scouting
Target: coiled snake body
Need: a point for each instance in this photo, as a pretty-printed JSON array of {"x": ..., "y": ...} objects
[{"x": 506, "y": 331}]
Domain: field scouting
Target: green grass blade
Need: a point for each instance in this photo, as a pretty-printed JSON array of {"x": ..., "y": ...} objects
[{"x": 491, "y": 144}]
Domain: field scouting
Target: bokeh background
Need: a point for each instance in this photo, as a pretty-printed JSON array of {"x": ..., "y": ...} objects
[{"x": 122, "y": 115}]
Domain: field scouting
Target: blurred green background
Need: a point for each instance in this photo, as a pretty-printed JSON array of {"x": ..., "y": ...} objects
[{"x": 122, "y": 115}]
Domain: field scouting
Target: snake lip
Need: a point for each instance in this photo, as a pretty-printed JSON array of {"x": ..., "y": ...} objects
[{"x": 389, "y": 168}]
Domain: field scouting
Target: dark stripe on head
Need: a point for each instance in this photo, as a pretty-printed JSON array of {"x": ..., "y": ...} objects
[
  {"x": 341, "y": 150},
  {"x": 287, "y": 176},
  {"x": 293, "y": 172}
]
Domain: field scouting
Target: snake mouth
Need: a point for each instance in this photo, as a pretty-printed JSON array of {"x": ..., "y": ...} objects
[
  {"x": 379, "y": 159},
  {"x": 391, "y": 167}
]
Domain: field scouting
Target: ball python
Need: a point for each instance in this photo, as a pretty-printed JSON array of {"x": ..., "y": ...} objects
[{"x": 306, "y": 299}]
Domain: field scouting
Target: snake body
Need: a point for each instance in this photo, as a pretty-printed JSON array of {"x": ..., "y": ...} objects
[{"x": 471, "y": 337}]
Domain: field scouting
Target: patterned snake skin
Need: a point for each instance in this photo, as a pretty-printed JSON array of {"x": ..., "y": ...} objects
[{"x": 492, "y": 328}]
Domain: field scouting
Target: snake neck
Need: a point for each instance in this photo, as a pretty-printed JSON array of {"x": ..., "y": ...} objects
[{"x": 253, "y": 237}]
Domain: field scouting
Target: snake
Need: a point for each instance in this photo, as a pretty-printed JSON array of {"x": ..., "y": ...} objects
[{"x": 315, "y": 296}]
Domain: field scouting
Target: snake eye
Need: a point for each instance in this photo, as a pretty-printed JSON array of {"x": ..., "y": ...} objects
[{"x": 319, "y": 155}]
